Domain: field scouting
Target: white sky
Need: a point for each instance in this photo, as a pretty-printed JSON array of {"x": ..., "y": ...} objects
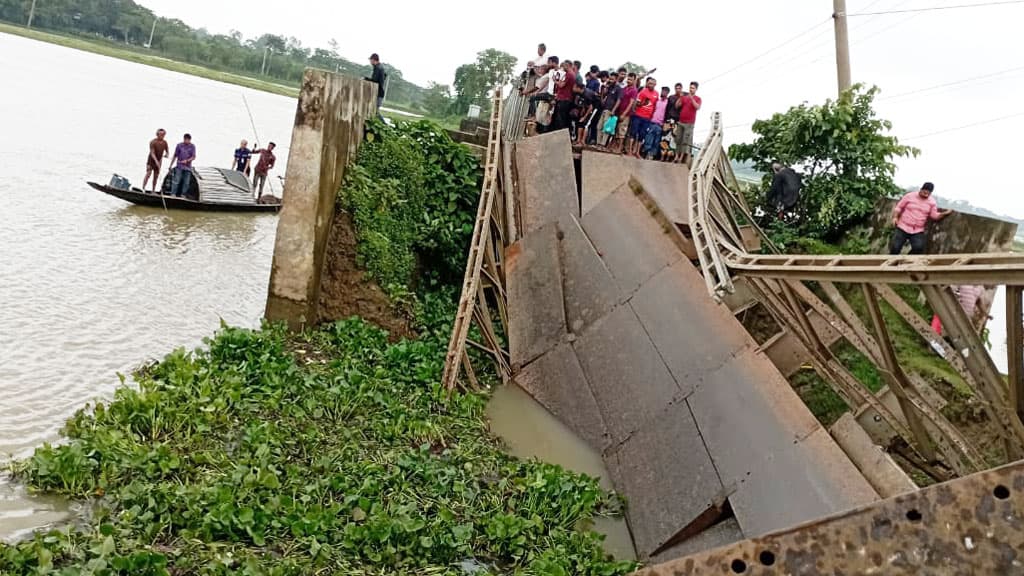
[{"x": 701, "y": 40}]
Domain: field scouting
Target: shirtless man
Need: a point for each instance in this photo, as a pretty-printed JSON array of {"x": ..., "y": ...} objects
[{"x": 157, "y": 153}]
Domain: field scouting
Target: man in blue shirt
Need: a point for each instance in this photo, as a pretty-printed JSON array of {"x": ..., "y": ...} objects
[
  {"x": 242, "y": 156},
  {"x": 184, "y": 154}
]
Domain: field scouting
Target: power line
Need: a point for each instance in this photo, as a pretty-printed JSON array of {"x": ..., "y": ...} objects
[
  {"x": 934, "y": 8},
  {"x": 965, "y": 126},
  {"x": 954, "y": 83},
  {"x": 770, "y": 50}
]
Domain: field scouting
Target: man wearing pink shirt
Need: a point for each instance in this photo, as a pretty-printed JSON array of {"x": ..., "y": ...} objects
[{"x": 911, "y": 215}]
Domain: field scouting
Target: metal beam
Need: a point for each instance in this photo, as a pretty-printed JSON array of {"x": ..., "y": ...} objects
[
  {"x": 894, "y": 375},
  {"x": 991, "y": 384},
  {"x": 933, "y": 270},
  {"x": 971, "y": 525},
  {"x": 1015, "y": 348}
]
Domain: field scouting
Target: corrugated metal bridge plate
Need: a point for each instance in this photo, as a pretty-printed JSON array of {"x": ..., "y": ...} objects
[
  {"x": 547, "y": 179},
  {"x": 667, "y": 183}
]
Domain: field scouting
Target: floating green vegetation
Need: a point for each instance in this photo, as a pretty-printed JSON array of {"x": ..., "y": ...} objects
[{"x": 336, "y": 452}]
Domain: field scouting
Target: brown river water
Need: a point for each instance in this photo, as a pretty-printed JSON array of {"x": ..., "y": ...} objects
[{"x": 91, "y": 286}]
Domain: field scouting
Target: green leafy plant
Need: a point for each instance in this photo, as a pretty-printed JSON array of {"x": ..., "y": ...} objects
[
  {"x": 846, "y": 158},
  {"x": 412, "y": 194},
  {"x": 332, "y": 452}
]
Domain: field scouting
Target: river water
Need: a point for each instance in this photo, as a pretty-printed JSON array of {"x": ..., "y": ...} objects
[{"x": 90, "y": 285}]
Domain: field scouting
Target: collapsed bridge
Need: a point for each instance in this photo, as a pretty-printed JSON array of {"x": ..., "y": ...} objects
[{"x": 617, "y": 283}]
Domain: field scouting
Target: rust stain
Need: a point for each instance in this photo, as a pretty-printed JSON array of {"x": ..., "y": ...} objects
[{"x": 972, "y": 525}]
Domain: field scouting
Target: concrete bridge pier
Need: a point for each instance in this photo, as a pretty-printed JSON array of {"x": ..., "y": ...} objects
[{"x": 329, "y": 119}]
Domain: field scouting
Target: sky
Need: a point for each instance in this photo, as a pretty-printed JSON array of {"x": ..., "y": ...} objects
[{"x": 733, "y": 48}]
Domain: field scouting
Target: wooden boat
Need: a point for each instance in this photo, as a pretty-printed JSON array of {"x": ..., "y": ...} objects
[{"x": 212, "y": 189}]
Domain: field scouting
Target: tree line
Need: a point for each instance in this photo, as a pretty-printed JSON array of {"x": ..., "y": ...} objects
[{"x": 270, "y": 56}]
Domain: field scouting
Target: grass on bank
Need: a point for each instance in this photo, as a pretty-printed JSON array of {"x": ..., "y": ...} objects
[{"x": 334, "y": 452}]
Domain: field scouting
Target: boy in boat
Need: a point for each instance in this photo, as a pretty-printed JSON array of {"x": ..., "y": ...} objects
[
  {"x": 242, "y": 156},
  {"x": 184, "y": 154},
  {"x": 265, "y": 163},
  {"x": 157, "y": 153}
]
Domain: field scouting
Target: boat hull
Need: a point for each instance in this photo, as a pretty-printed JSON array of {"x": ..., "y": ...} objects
[{"x": 173, "y": 202}]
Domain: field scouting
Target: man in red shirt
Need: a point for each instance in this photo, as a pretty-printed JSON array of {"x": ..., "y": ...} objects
[
  {"x": 564, "y": 97},
  {"x": 266, "y": 162},
  {"x": 689, "y": 104},
  {"x": 911, "y": 215},
  {"x": 646, "y": 101},
  {"x": 625, "y": 112}
]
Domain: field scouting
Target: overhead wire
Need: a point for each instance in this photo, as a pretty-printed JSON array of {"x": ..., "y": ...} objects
[
  {"x": 954, "y": 83},
  {"x": 769, "y": 51},
  {"x": 936, "y": 8},
  {"x": 965, "y": 126}
]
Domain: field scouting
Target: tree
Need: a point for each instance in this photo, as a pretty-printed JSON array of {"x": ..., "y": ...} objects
[
  {"x": 438, "y": 99},
  {"x": 846, "y": 157},
  {"x": 635, "y": 68},
  {"x": 474, "y": 82}
]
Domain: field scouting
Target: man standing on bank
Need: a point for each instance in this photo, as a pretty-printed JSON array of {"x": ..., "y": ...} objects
[
  {"x": 379, "y": 76},
  {"x": 911, "y": 215},
  {"x": 157, "y": 153},
  {"x": 265, "y": 163},
  {"x": 184, "y": 155}
]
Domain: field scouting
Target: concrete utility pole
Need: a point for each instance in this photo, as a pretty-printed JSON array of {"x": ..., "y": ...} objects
[
  {"x": 31, "y": 14},
  {"x": 151, "y": 32},
  {"x": 842, "y": 44}
]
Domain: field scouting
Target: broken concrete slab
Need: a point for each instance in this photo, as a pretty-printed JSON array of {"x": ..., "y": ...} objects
[
  {"x": 810, "y": 480},
  {"x": 675, "y": 310},
  {"x": 669, "y": 446},
  {"x": 629, "y": 380},
  {"x": 556, "y": 381},
  {"x": 667, "y": 183},
  {"x": 535, "y": 301},
  {"x": 633, "y": 246},
  {"x": 547, "y": 179},
  {"x": 590, "y": 290}
]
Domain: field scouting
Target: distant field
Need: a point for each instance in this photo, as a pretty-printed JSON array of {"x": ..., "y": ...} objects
[
  {"x": 142, "y": 56},
  {"x": 1018, "y": 245},
  {"x": 112, "y": 50}
]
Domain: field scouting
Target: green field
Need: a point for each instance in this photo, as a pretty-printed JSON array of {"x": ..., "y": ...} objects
[
  {"x": 1018, "y": 245},
  {"x": 143, "y": 56},
  {"x": 123, "y": 52}
]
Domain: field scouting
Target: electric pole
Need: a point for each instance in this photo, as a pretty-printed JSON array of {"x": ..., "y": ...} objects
[
  {"x": 31, "y": 14},
  {"x": 151, "y": 32},
  {"x": 842, "y": 44}
]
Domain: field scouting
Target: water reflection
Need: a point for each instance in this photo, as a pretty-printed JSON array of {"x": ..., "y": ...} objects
[
  {"x": 530, "y": 431},
  {"x": 91, "y": 285}
]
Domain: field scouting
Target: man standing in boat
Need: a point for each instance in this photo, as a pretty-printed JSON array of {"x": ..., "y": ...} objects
[
  {"x": 242, "y": 156},
  {"x": 157, "y": 153},
  {"x": 265, "y": 163},
  {"x": 184, "y": 155}
]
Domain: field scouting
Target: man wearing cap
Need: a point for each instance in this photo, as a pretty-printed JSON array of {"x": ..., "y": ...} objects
[
  {"x": 912, "y": 214},
  {"x": 378, "y": 76}
]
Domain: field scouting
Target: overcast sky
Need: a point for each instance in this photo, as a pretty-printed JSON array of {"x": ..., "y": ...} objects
[{"x": 705, "y": 40}]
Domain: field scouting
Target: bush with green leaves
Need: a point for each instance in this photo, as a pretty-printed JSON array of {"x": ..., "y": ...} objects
[
  {"x": 333, "y": 453},
  {"x": 845, "y": 155},
  {"x": 412, "y": 193}
]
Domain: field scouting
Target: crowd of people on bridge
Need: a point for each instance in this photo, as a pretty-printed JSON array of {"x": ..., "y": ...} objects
[{"x": 618, "y": 111}]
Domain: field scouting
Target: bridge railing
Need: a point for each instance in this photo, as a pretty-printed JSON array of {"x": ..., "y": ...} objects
[{"x": 810, "y": 297}]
